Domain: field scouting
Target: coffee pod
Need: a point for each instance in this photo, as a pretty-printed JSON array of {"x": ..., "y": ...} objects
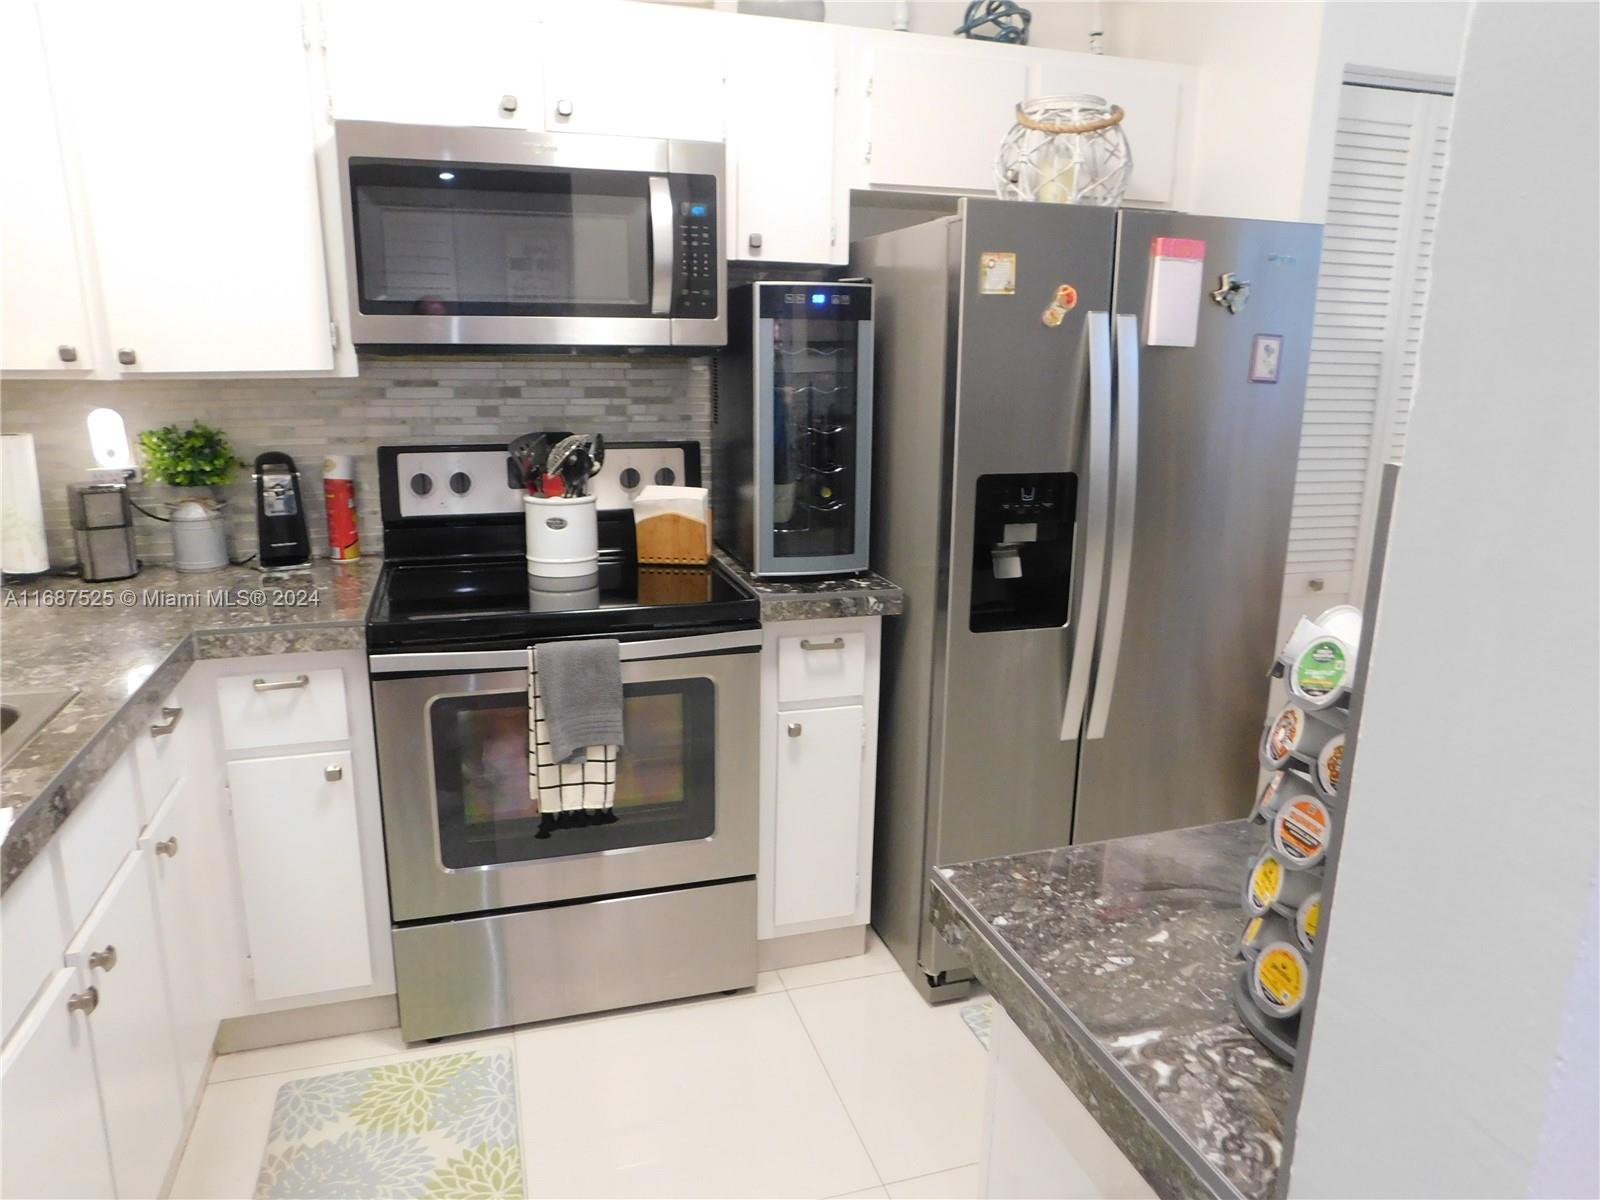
[
  {"x": 1281, "y": 787},
  {"x": 1278, "y": 977},
  {"x": 1321, "y": 673},
  {"x": 1343, "y": 621},
  {"x": 1330, "y": 765},
  {"x": 1263, "y": 931},
  {"x": 1305, "y": 632},
  {"x": 1271, "y": 883},
  {"x": 1306, "y": 919},
  {"x": 1294, "y": 733},
  {"x": 1300, "y": 831}
]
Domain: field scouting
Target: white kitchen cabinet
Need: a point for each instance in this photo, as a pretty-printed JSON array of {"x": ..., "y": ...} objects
[
  {"x": 299, "y": 851},
  {"x": 816, "y": 875},
  {"x": 172, "y": 847},
  {"x": 478, "y": 63},
  {"x": 52, "y": 1139},
  {"x": 1151, "y": 95},
  {"x": 97, "y": 836},
  {"x": 46, "y": 316},
  {"x": 786, "y": 207},
  {"x": 118, "y": 951},
  {"x": 275, "y": 707},
  {"x": 34, "y": 926},
  {"x": 935, "y": 118},
  {"x": 191, "y": 126}
]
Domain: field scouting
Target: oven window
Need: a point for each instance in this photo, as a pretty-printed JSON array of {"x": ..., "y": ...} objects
[
  {"x": 454, "y": 239},
  {"x": 666, "y": 775}
]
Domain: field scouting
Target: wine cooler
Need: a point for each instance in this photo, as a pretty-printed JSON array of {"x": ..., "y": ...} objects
[{"x": 792, "y": 429}]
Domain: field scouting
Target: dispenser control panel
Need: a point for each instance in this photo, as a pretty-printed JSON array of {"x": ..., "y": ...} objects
[{"x": 1022, "y": 540}]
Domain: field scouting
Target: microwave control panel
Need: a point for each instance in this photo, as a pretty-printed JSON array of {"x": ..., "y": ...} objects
[{"x": 696, "y": 253}]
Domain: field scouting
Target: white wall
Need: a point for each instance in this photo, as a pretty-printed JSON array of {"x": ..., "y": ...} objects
[{"x": 1465, "y": 880}]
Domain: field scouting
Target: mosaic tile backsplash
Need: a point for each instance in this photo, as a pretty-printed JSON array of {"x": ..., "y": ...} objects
[{"x": 393, "y": 401}]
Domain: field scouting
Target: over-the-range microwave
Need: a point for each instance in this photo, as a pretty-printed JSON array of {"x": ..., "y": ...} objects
[{"x": 513, "y": 238}]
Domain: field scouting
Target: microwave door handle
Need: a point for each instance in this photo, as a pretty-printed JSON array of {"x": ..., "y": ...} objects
[
  {"x": 1097, "y": 328},
  {"x": 661, "y": 248},
  {"x": 1121, "y": 556}
]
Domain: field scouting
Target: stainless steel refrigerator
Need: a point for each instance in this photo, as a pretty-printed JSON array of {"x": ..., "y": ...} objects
[{"x": 1091, "y": 529}]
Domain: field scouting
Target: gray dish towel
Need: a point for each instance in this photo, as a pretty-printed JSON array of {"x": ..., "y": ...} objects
[{"x": 580, "y": 684}]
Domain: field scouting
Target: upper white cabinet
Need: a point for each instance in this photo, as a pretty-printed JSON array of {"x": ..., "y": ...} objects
[
  {"x": 47, "y": 325},
  {"x": 192, "y": 130},
  {"x": 1151, "y": 94},
  {"x": 935, "y": 118},
  {"x": 476, "y": 63}
]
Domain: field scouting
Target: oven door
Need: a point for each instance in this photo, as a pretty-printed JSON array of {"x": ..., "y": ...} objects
[{"x": 461, "y": 832}]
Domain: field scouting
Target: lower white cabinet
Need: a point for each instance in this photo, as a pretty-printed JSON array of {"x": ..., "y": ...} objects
[
  {"x": 118, "y": 951},
  {"x": 52, "y": 1142},
  {"x": 299, "y": 851},
  {"x": 816, "y": 876},
  {"x": 171, "y": 845}
]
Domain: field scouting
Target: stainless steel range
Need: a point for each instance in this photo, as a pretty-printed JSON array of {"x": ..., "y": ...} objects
[{"x": 494, "y": 924}]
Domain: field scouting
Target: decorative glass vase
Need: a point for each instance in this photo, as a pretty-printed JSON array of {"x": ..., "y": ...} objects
[{"x": 1065, "y": 150}]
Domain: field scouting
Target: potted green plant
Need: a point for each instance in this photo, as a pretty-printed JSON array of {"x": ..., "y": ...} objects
[{"x": 197, "y": 461}]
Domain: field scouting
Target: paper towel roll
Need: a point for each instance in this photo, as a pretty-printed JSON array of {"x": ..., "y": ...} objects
[{"x": 22, "y": 544}]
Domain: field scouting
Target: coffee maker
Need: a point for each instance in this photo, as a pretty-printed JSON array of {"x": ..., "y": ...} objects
[
  {"x": 282, "y": 540},
  {"x": 102, "y": 531}
]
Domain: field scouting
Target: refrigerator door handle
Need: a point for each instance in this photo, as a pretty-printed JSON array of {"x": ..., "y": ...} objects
[
  {"x": 1098, "y": 330},
  {"x": 1121, "y": 557}
]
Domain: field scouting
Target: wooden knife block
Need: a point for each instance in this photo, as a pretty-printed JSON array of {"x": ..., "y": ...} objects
[{"x": 674, "y": 540}]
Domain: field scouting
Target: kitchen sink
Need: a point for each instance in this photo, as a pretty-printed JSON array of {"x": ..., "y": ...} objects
[{"x": 23, "y": 714}]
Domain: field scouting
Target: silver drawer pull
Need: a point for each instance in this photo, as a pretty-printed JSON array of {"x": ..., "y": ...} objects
[
  {"x": 168, "y": 847},
  {"x": 333, "y": 772},
  {"x": 169, "y": 721},
  {"x": 104, "y": 960},
  {"x": 280, "y": 685},
  {"x": 85, "y": 1001},
  {"x": 836, "y": 644},
  {"x": 795, "y": 729}
]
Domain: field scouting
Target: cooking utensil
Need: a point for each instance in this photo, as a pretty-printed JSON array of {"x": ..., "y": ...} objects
[
  {"x": 529, "y": 452},
  {"x": 576, "y": 459}
]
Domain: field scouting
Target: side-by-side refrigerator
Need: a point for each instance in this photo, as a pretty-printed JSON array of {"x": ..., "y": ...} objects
[{"x": 1087, "y": 428}]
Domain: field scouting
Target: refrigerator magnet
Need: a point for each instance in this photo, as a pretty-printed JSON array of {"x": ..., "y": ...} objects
[
  {"x": 1172, "y": 296},
  {"x": 1266, "y": 352},
  {"x": 997, "y": 273}
]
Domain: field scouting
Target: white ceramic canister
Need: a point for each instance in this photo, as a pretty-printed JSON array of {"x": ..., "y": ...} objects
[
  {"x": 1301, "y": 829},
  {"x": 1262, "y": 931},
  {"x": 562, "y": 535},
  {"x": 1330, "y": 765},
  {"x": 1294, "y": 732},
  {"x": 1281, "y": 787},
  {"x": 1278, "y": 978},
  {"x": 199, "y": 535},
  {"x": 1307, "y": 918}
]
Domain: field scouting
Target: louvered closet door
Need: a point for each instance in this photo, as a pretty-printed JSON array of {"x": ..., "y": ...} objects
[{"x": 1377, "y": 250}]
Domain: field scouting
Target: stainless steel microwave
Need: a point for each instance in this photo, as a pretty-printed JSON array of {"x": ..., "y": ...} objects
[{"x": 513, "y": 238}]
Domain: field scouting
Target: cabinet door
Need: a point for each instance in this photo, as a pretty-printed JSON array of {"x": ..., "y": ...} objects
[
  {"x": 817, "y": 841},
  {"x": 52, "y": 1140},
  {"x": 171, "y": 846},
  {"x": 925, "y": 131},
  {"x": 781, "y": 149},
  {"x": 305, "y": 908},
  {"x": 192, "y": 122},
  {"x": 118, "y": 951},
  {"x": 46, "y": 320},
  {"x": 411, "y": 64},
  {"x": 1151, "y": 96}
]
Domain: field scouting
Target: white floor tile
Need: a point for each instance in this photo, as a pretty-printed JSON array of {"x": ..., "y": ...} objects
[
  {"x": 223, "y": 1155},
  {"x": 911, "y": 1076},
  {"x": 718, "y": 1099},
  {"x": 768, "y": 982},
  {"x": 875, "y": 961},
  {"x": 873, "y": 1193},
  {"x": 324, "y": 1052},
  {"x": 958, "y": 1184}
]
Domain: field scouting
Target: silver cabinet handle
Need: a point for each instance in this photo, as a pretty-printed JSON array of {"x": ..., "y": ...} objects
[
  {"x": 104, "y": 960},
  {"x": 168, "y": 847},
  {"x": 795, "y": 729},
  {"x": 127, "y": 357},
  {"x": 169, "y": 721},
  {"x": 280, "y": 685},
  {"x": 85, "y": 1001},
  {"x": 508, "y": 104},
  {"x": 67, "y": 353},
  {"x": 836, "y": 644},
  {"x": 563, "y": 108},
  {"x": 333, "y": 772}
]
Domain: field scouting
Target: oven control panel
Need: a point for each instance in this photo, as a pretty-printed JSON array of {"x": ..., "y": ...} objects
[{"x": 481, "y": 482}]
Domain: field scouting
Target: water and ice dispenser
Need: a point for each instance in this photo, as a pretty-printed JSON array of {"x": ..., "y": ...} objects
[{"x": 1022, "y": 551}]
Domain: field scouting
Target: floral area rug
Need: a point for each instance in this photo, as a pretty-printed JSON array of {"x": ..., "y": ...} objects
[
  {"x": 432, "y": 1127},
  {"x": 980, "y": 1019}
]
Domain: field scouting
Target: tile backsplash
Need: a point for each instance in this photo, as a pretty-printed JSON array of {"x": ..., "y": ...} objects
[{"x": 393, "y": 401}]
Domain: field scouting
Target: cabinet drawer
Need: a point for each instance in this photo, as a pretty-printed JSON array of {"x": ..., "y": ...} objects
[
  {"x": 820, "y": 666},
  {"x": 282, "y": 708},
  {"x": 160, "y": 751}
]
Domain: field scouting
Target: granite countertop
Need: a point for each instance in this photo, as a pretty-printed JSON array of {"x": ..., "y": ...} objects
[
  {"x": 820, "y": 598},
  {"x": 124, "y": 645},
  {"x": 1116, "y": 960}
]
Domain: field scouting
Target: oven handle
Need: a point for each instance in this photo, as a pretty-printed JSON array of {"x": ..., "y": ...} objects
[
  {"x": 661, "y": 246},
  {"x": 489, "y": 660}
]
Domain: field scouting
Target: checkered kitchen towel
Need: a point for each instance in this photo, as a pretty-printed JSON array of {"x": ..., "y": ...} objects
[{"x": 574, "y": 793}]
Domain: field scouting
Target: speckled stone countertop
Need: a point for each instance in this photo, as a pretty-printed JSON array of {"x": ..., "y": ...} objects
[
  {"x": 820, "y": 598},
  {"x": 1116, "y": 960},
  {"x": 125, "y": 645}
]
